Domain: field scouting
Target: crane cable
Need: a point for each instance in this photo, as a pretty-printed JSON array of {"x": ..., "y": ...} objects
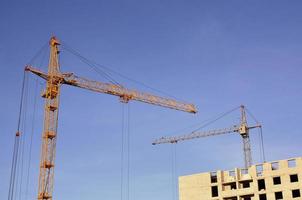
[
  {"x": 260, "y": 133},
  {"x": 23, "y": 139},
  {"x": 174, "y": 171},
  {"x": 91, "y": 64},
  {"x": 39, "y": 65},
  {"x": 122, "y": 153},
  {"x": 128, "y": 151},
  {"x": 204, "y": 123},
  {"x": 125, "y": 153},
  {"x": 31, "y": 138},
  {"x": 36, "y": 89},
  {"x": 41, "y": 50},
  {"x": 100, "y": 70},
  {"x": 14, "y": 167},
  {"x": 16, "y": 177},
  {"x": 262, "y": 144},
  {"x": 216, "y": 119}
]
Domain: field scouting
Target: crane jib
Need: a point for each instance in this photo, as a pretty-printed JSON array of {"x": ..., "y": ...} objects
[{"x": 117, "y": 90}]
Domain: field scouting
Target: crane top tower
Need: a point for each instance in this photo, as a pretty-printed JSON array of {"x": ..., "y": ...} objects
[
  {"x": 242, "y": 129},
  {"x": 54, "y": 79}
]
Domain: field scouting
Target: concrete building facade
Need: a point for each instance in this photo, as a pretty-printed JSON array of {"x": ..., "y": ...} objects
[{"x": 267, "y": 181}]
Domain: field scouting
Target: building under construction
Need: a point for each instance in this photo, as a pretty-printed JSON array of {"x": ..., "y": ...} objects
[{"x": 266, "y": 181}]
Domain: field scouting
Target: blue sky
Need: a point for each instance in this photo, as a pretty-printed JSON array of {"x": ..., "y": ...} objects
[{"x": 216, "y": 54}]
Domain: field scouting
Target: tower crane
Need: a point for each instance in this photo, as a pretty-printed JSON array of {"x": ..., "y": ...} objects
[
  {"x": 242, "y": 129},
  {"x": 54, "y": 79}
]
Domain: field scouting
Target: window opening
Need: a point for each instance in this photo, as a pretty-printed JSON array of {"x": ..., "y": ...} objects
[
  {"x": 262, "y": 197},
  {"x": 294, "y": 178},
  {"x": 275, "y": 166},
  {"x": 232, "y": 173},
  {"x": 278, "y": 195},
  {"x": 246, "y": 198},
  {"x": 214, "y": 191},
  {"x": 296, "y": 193},
  {"x": 261, "y": 184},
  {"x": 291, "y": 163},
  {"x": 230, "y": 198},
  {"x": 277, "y": 180},
  {"x": 233, "y": 186},
  {"x": 213, "y": 177},
  {"x": 259, "y": 170},
  {"x": 245, "y": 184},
  {"x": 244, "y": 171}
]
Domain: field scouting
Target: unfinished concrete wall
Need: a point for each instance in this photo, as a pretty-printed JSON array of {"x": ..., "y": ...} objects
[{"x": 266, "y": 181}]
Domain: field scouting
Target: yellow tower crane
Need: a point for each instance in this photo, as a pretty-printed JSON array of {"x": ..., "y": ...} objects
[
  {"x": 55, "y": 79},
  {"x": 242, "y": 129}
]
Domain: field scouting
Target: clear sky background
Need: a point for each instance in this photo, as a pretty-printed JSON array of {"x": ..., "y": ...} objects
[{"x": 216, "y": 54}]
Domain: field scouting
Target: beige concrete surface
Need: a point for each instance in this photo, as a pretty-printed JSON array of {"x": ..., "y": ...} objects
[{"x": 266, "y": 181}]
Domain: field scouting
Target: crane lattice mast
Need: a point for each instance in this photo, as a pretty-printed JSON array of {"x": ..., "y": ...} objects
[
  {"x": 55, "y": 79},
  {"x": 242, "y": 129}
]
